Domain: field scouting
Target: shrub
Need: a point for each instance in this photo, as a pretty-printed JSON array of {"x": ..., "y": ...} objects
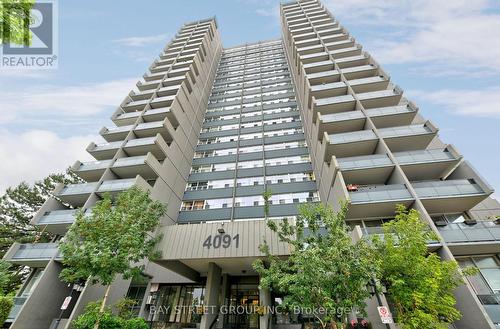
[
  {"x": 135, "y": 323},
  {"x": 6, "y": 304},
  {"x": 107, "y": 319}
]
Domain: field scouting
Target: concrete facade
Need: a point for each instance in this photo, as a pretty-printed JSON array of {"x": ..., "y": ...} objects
[{"x": 310, "y": 117}]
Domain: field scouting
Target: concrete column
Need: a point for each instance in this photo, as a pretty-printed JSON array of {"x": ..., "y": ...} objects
[
  {"x": 265, "y": 301},
  {"x": 473, "y": 313},
  {"x": 43, "y": 305},
  {"x": 226, "y": 286},
  {"x": 211, "y": 295}
]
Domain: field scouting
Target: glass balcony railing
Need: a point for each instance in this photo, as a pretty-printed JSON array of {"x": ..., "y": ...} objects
[
  {"x": 107, "y": 146},
  {"x": 73, "y": 189},
  {"x": 137, "y": 103},
  {"x": 334, "y": 100},
  {"x": 377, "y": 94},
  {"x": 141, "y": 141},
  {"x": 157, "y": 111},
  {"x": 129, "y": 115},
  {"x": 85, "y": 166},
  {"x": 449, "y": 188},
  {"x": 363, "y": 81},
  {"x": 149, "y": 125},
  {"x": 377, "y": 230},
  {"x": 130, "y": 161},
  {"x": 460, "y": 232},
  {"x": 365, "y": 161},
  {"x": 116, "y": 185},
  {"x": 58, "y": 217},
  {"x": 491, "y": 304},
  {"x": 14, "y": 311},
  {"x": 119, "y": 129},
  {"x": 36, "y": 251},
  {"x": 380, "y": 193},
  {"x": 328, "y": 86},
  {"x": 404, "y": 131},
  {"x": 389, "y": 110},
  {"x": 358, "y": 68},
  {"x": 423, "y": 156},
  {"x": 342, "y": 116},
  {"x": 356, "y": 136}
]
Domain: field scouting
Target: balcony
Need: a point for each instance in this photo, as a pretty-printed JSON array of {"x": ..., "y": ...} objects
[
  {"x": 352, "y": 61},
  {"x": 135, "y": 105},
  {"x": 323, "y": 77},
  {"x": 310, "y": 49},
  {"x": 164, "y": 101},
  {"x": 154, "y": 76},
  {"x": 381, "y": 98},
  {"x": 428, "y": 164},
  {"x": 75, "y": 194},
  {"x": 412, "y": 137},
  {"x": 124, "y": 119},
  {"x": 378, "y": 200},
  {"x": 104, "y": 151},
  {"x": 56, "y": 221},
  {"x": 491, "y": 304},
  {"x": 91, "y": 171},
  {"x": 328, "y": 90},
  {"x": 168, "y": 90},
  {"x": 370, "y": 84},
  {"x": 160, "y": 114},
  {"x": 54, "y": 217},
  {"x": 331, "y": 105},
  {"x": 340, "y": 44},
  {"x": 16, "y": 308},
  {"x": 141, "y": 95},
  {"x": 151, "y": 129},
  {"x": 31, "y": 254},
  {"x": 359, "y": 72},
  {"x": 392, "y": 116},
  {"x": 345, "y": 52},
  {"x": 349, "y": 144},
  {"x": 318, "y": 67},
  {"x": 450, "y": 196},
  {"x": 144, "y": 165},
  {"x": 340, "y": 122},
  {"x": 366, "y": 169},
  {"x": 147, "y": 85},
  {"x": 141, "y": 146},
  {"x": 116, "y": 186},
  {"x": 116, "y": 133},
  {"x": 463, "y": 239}
]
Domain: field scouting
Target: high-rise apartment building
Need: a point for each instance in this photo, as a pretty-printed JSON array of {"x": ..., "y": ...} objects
[{"x": 311, "y": 117}]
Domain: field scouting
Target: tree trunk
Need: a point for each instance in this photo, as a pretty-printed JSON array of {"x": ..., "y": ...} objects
[{"x": 103, "y": 305}]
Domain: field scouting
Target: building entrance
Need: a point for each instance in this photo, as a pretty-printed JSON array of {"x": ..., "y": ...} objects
[{"x": 243, "y": 301}]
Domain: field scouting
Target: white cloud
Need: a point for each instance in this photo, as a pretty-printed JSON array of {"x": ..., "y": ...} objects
[
  {"x": 62, "y": 103},
  {"x": 478, "y": 103},
  {"x": 454, "y": 37},
  {"x": 269, "y": 12},
  {"x": 33, "y": 155},
  {"x": 143, "y": 40}
]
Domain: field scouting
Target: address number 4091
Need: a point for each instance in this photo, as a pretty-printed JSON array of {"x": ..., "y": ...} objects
[{"x": 222, "y": 240}]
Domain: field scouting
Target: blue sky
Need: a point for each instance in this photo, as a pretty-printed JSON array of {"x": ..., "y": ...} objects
[{"x": 444, "y": 54}]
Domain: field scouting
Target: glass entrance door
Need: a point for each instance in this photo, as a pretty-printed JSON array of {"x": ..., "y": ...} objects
[{"x": 243, "y": 300}]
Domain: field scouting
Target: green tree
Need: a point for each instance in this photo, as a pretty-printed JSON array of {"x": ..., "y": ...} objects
[
  {"x": 112, "y": 240},
  {"x": 325, "y": 269},
  {"x": 6, "y": 302},
  {"x": 18, "y": 205},
  {"x": 15, "y": 19},
  {"x": 419, "y": 284},
  {"x": 107, "y": 320}
]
